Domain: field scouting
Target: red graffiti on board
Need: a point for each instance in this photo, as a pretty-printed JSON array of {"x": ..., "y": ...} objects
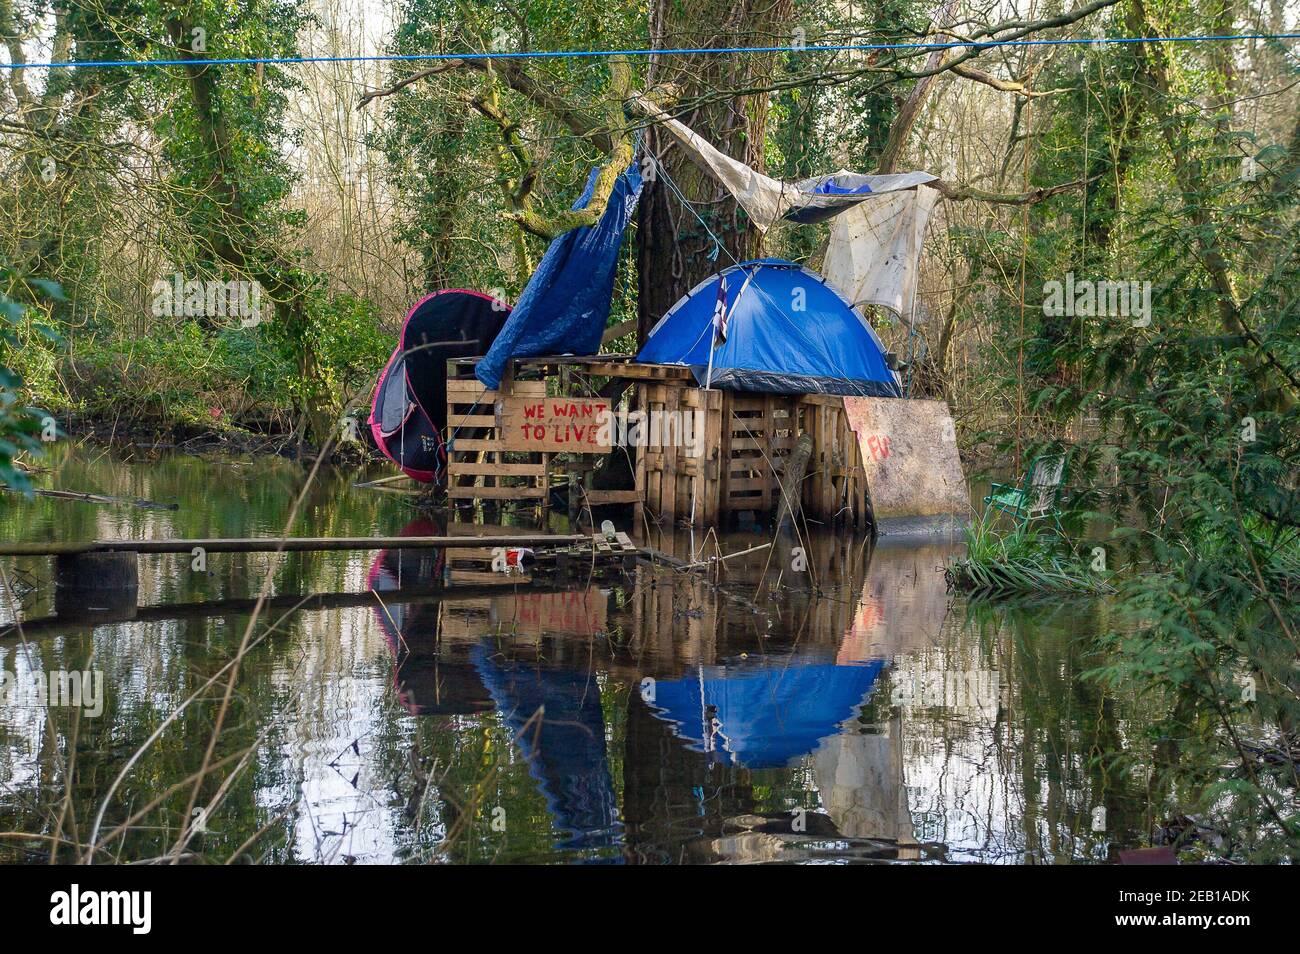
[{"x": 878, "y": 446}]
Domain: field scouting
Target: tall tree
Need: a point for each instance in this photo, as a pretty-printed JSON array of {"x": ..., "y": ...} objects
[{"x": 676, "y": 250}]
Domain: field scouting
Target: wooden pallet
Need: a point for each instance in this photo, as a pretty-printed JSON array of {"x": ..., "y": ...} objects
[
  {"x": 473, "y": 565},
  {"x": 836, "y": 483},
  {"x": 478, "y": 466},
  {"x": 747, "y": 439},
  {"x": 672, "y": 481}
]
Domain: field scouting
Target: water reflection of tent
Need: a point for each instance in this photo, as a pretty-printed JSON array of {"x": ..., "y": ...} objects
[
  {"x": 764, "y": 714},
  {"x": 428, "y": 681}
]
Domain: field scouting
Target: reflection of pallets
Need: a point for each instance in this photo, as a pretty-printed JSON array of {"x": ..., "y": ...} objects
[
  {"x": 478, "y": 466},
  {"x": 480, "y": 566}
]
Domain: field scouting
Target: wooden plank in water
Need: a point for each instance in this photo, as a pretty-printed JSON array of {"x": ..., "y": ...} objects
[
  {"x": 290, "y": 544},
  {"x": 597, "y": 498},
  {"x": 496, "y": 493},
  {"x": 485, "y": 578}
]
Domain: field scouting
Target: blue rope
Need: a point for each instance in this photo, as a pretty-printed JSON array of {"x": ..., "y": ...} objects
[{"x": 686, "y": 51}]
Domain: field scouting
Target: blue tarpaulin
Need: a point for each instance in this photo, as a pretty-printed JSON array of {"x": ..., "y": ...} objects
[
  {"x": 787, "y": 332},
  {"x": 565, "y": 305}
]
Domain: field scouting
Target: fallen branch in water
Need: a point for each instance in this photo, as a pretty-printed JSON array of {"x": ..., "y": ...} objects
[
  {"x": 719, "y": 559},
  {"x": 101, "y": 499},
  {"x": 382, "y": 484}
]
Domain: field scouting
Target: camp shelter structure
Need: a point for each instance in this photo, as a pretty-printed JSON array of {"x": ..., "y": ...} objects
[{"x": 700, "y": 454}]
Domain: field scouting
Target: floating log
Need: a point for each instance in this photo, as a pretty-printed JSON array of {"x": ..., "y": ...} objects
[
  {"x": 382, "y": 480},
  {"x": 59, "y": 623},
  {"x": 97, "y": 582}
]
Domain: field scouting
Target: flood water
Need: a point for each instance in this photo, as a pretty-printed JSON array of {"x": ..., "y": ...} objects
[{"x": 855, "y": 712}]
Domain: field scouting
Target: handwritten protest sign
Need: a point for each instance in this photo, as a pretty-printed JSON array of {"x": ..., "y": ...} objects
[{"x": 554, "y": 424}]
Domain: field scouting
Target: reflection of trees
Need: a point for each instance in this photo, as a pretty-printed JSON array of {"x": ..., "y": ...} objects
[
  {"x": 1022, "y": 782},
  {"x": 288, "y": 686},
  {"x": 674, "y": 801}
]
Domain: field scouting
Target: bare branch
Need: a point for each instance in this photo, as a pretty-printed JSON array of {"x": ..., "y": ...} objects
[
  {"x": 512, "y": 73},
  {"x": 1005, "y": 86},
  {"x": 963, "y": 193}
]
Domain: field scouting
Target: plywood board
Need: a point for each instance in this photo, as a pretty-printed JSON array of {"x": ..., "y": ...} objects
[{"x": 909, "y": 453}]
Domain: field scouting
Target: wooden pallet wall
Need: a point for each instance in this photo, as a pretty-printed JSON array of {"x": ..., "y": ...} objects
[
  {"x": 746, "y": 438},
  {"x": 671, "y": 481},
  {"x": 746, "y": 442},
  {"x": 478, "y": 467},
  {"x": 837, "y": 484}
]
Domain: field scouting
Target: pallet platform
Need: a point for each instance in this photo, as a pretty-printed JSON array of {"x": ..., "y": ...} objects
[
  {"x": 473, "y": 565},
  {"x": 746, "y": 438}
]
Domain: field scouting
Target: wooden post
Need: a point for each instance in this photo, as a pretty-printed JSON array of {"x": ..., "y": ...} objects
[
  {"x": 102, "y": 582},
  {"x": 796, "y": 463}
]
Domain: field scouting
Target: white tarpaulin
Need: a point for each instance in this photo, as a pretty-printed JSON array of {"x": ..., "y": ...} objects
[
  {"x": 875, "y": 247},
  {"x": 765, "y": 199},
  {"x": 878, "y": 222}
]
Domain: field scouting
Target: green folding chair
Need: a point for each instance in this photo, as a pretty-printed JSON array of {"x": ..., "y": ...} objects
[{"x": 1037, "y": 496}]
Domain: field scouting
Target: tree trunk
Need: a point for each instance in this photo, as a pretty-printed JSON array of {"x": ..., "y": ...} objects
[{"x": 674, "y": 247}]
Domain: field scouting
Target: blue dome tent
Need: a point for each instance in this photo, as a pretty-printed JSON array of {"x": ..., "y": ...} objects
[{"x": 784, "y": 331}]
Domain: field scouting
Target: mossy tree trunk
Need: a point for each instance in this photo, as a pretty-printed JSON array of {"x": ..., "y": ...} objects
[{"x": 673, "y": 253}]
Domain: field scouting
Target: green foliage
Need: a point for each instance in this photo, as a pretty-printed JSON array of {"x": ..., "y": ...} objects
[
  {"x": 442, "y": 157},
  {"x": 1195, "y": 423},
  {"x": 21, "y": 425},
  {"x": 250, "y": 109},
  {"x": 184, "y": 376},
  {"x": 233, "y": 377},
  {"x": 999, "y": 563},
  {"x": 349, "y": 343}
]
